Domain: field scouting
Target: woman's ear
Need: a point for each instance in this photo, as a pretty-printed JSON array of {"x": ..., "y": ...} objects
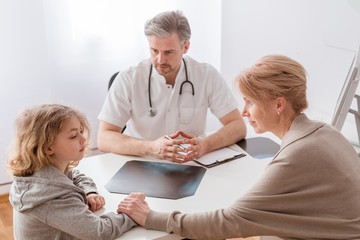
[{"x": 280, "y": 104}]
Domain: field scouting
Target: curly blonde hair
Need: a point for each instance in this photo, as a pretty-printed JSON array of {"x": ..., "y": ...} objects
[
  {"x": 275, "y": 76},
  {"x": 36, "y": 130}
]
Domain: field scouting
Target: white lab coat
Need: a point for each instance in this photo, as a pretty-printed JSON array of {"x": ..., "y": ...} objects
[{"x": 127, "y": 102}]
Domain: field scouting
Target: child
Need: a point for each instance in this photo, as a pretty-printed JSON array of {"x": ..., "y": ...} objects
[{"x": 51, "y": 200}]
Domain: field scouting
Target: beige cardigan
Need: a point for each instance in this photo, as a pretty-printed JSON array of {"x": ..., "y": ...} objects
[{"x": 310, "y": 190}]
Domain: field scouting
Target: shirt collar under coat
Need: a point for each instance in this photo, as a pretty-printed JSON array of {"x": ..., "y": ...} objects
[{"x": 180, "y": 76}]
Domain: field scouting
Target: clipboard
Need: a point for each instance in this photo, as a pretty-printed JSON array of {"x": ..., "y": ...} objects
[{"x": 218, "y": 157}]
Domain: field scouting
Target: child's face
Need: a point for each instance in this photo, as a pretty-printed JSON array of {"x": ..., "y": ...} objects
[{"x": 69, "y": 144}]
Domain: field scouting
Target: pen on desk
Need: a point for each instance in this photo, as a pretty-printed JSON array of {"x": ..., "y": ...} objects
[
  {"x": 232, "y": 158},
  {"x": 178, "y": 145}
]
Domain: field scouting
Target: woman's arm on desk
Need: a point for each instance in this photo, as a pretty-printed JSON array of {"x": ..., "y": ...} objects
[{"x": 218, "y": 224}]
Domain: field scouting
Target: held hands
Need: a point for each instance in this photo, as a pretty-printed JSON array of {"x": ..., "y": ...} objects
[
  {"x": 179, "y": 150},
  {"x": 197, "y": 146},
  {"x": 135, "y": 207},
  {"x": 95, "y": 201},
  {"x": 186, "y": 148}
]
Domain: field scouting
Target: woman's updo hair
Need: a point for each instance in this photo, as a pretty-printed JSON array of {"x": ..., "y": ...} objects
[{"x": 275, "y": 76}]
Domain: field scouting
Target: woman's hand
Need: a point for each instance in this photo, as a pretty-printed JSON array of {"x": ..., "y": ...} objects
[{"x": 135, "y": 207}]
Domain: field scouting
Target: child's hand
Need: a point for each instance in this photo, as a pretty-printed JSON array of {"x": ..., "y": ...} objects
[{"x": 95, "y": 201}]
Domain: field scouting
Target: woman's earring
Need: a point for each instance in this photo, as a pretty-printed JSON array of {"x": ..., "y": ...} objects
[{"x": 278, "y": 113}]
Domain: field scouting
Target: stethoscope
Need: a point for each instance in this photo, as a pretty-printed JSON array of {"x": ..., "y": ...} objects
[{"x": 152, "y": 111}]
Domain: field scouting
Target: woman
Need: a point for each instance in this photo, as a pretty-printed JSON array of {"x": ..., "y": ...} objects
[{"x": 311, "y": 188}]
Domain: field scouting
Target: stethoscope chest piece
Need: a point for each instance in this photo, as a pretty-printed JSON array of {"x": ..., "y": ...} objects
[{"x": 152, "y": 111}]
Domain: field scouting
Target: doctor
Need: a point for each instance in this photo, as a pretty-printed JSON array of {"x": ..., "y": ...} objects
[{"x": 163, "y": 101}]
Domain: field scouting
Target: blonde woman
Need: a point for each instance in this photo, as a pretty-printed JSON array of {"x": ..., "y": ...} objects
[{"x": 311, "y": 188}]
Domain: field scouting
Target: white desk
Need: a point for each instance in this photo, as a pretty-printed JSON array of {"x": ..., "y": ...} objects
[{"x": 220, "y": 187}]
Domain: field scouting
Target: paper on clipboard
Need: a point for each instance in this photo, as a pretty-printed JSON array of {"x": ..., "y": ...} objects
[{"x": 219, "y": 156}]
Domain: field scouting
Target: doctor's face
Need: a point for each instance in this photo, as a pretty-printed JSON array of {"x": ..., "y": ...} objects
[{"x": 166, "y": 54}]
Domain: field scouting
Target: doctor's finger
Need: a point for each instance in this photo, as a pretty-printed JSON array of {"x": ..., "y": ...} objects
[{"x": 186, "y": 135}]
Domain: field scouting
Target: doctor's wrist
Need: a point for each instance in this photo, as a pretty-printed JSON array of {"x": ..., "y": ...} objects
[{"x": 150, "y": 148}]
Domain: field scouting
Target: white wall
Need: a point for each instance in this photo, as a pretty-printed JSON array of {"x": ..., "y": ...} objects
[
  {"x": 24, "y": 68},
  {"x": 320, "y": 34},
  {"x": 65, "y": 51}
]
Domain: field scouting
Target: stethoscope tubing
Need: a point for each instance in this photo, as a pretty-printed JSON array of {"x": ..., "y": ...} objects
[{"x": 152, "y": 111}]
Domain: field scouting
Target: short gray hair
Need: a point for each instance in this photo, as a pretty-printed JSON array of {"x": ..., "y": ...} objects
[{"x": 166, "y": 23}]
